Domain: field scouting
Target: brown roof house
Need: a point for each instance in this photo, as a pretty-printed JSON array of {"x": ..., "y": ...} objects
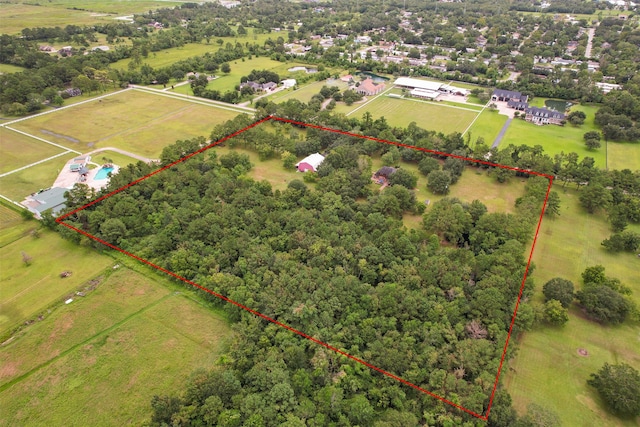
[{"x": 368, "y": 87}]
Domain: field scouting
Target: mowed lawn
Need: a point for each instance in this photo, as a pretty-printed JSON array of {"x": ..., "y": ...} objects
[
  {"x": 547, "y": 369},
  {"x": 556, "y": 139},
  {"x": 17, "y": 150},
  {"x": 401, "y": 112},
  {"x": 239, "y": 68},
  {"x": 17, "y": 186},
  {"x": 305, "y": 93},
  {"x": 624, "y": 155},
  {"x": 486, "y": 126},
  {"x": 100, "y": 360},
  {"x": 136, "y": 121},
  {"x": 28, "y": 290}
]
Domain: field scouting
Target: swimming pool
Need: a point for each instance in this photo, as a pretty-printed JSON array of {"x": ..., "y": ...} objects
[{"x": 103, "y": 173}]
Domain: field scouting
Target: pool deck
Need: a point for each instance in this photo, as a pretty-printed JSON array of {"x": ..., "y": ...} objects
[{"x": 67, "y": 178}]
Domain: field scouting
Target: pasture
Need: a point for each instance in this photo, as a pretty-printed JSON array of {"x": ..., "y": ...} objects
[
  {"x": 20, "y": 184},
  {"x": 111, "y": 351},
  {"x": 431, "y": 116},
  {"x": 28, "y": 290},
  {"x": 19, "y": 150},
  {"x": 547, "y": 369},
  {"x": 305, "y": 93},
  {"x": 136, "y": 121},
  {"x": 623, "y": 155}
]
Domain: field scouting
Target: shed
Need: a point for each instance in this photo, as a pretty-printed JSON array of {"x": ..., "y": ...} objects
[{"x": 310, "y": 163}]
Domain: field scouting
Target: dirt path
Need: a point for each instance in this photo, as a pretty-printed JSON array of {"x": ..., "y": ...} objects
[{"x": 126, "y": 153}]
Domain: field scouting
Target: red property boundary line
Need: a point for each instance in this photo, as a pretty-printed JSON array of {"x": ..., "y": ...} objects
[{"x": 485, "y": 416}]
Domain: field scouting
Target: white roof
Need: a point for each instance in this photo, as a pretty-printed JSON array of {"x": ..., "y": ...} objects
[
  {"x": 418, "y": 84},
  {"x": 313, "y": 159},
  {"x": 433, "y": 94}
]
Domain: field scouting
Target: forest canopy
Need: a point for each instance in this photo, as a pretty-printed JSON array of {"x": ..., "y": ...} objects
[{"x": 333, "y": 261}]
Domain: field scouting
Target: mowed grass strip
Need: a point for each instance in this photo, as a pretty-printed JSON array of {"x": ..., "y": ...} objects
[
  {"x": 547, "y": 369},
  {"x": 28, "y": 290},
  {"x": 136, "y": 121},
  {"x": 18, "y": 150},
  {"x": 27, "y": 181},
  {"x": 401, "y": 112},
  {"x": 125, "y": 342}
]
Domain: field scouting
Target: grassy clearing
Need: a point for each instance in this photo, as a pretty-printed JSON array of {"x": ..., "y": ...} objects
[
  {"x": 18, "y": 150},
  {"x": 135, "y": 121},
  {"x": 547, "y": 369},
  {"x": 487, "y": 126},
  {"x": 20, "y": 184},
  {"x": 27, "y": 290},
  {"x": 270, "y": 170},
  {"x": 474, "y": 184},
  {"x": 110, "y": 351},
  {"x": 624, "y": 155},
  {"x": 7, "y": 69},
  {"x": 555, "y": 139},
  {"x": 401, "y": 112},
  {"x": 113, "y": 157}
]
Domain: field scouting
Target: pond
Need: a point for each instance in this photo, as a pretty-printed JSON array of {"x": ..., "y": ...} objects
[
  {"x": 558, "y": 105},
  {"x": 376, "y": 78}
]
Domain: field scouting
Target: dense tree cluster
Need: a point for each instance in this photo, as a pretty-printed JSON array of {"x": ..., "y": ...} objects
[
  {"x": 342, "y": 270},
  {"x": 619, "y": 386}
]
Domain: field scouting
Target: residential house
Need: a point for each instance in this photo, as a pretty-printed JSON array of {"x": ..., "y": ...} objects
[
  {"x": 508, "y": 95},
  {"x": 51, "y": 198},
  {"x": 544, "y": 116},
  {"x": 368, "y": 87},
  {"x": 310, "y": 163}
]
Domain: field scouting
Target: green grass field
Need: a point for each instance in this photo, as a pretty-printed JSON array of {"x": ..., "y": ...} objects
[
  {"x": 270, "y": 170},
  {"x": 228, "y": 82},
  {"x": 623, "y": 155},
  {"x": 487, "y": 126},
  {"x": 27, "y": 290},
  {"x": 136, "y": 121},
  {"x": 547, "y": 369},
  {"x": 20, "y": 184},
  {"x": 7, "y": 68},
  {"x": 18, "y": 14},
  {"x": 109, "y": 351},
  {"x": 401, "y": 112},
  {"x": 305, "y": 93},
  {"x": 18, "y": 150},
  {"x": 555, "y": 139}
]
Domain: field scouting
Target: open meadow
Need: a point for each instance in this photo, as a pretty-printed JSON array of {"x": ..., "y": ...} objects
[
  {"x": 100, "y": 360},
  {"x": 135, "y": 121},
  {"x": 547, "y": 369},
  {"x": 306, "y": 92},
  {"x": 427, "y": 115},
  {"x": 19, "y": 150},
  {"x": 27, "y": 290}
]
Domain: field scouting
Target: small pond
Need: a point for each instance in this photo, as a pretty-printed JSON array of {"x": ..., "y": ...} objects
[
  {"x": 558, "y": 105},
  {"x": 376, "y": 78}
]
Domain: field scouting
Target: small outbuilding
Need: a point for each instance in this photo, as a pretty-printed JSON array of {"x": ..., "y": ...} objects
[{"x": 310, "y": 163}]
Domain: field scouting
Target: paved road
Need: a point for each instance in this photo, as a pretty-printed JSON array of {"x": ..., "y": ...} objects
[
  {"x": 591, "y": 32},
  {"x": 496, "y": 142}
]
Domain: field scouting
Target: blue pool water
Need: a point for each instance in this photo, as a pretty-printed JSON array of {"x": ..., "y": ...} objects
[{"x": 103, "y": 173}]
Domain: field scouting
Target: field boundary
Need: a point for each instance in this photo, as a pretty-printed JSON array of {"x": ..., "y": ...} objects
[{"x": 61, "y": 220}]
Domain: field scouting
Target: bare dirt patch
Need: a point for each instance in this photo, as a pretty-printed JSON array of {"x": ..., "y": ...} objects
[
  {"x": 583, "y": 352},
  {"x": 8, "y": 369}
]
